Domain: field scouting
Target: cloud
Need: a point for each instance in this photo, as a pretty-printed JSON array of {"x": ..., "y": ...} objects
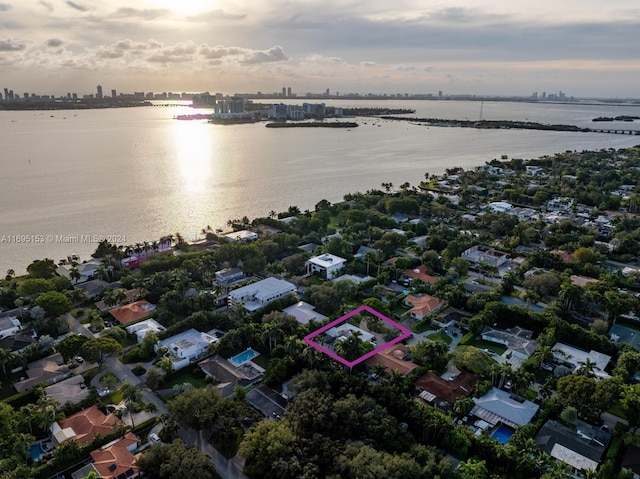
[
  {"x": 126, "y": 47},
  {"x": 5, "y": 7},
  {"x": 178, "y": 53},
  {"x": 12, "y": 45},
  {"x": 76, "y": 6},
  {"x": 147, "y": 14},
  {"x": 219, "y": 51},
  {"x": 369, "y": 64},
  {"x": 54, "y": 42},
  {"x": 214, "y": 15},
  {"x": 273, "y": 54},
  {"x": 47, "y": 5}
]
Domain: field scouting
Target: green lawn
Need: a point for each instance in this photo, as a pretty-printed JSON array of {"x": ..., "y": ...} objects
[
  {"x": 185, "y": 375},
  {"x": 422, "y": 326},
  {"x": 262, "y": 361},
  {"x": 617, "y": 410},
  {"x": 440, "y": 336},
  {"x": 482, "y": 344}
]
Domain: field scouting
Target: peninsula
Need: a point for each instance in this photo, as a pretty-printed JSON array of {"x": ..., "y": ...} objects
[
  {"x": 313, "y": 124},
  {"x": 463, "y": 327}
]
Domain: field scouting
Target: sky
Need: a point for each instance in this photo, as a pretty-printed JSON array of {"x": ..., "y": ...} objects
[{"x": 585, "y": 48}]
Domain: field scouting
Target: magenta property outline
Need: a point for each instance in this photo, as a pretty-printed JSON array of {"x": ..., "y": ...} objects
[{"x": 309, "y": 337}]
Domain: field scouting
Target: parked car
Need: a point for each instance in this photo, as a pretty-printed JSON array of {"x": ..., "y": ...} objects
[{"x": 154, "y": 438}]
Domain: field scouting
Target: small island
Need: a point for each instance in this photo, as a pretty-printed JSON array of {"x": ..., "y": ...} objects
[{"x": 314, "y": 124}]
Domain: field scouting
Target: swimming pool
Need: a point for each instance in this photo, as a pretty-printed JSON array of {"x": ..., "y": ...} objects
[
  {"x": 243, "y": 357},
  {"x": 502, "y": 434},
  {"x": 35, "y": 451}
]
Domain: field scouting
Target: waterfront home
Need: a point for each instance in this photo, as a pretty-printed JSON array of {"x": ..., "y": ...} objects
[
  {"x": 242, "y": 235},
  {"x": 257, "y": 295},
  {"x": 88, "y": 270}
]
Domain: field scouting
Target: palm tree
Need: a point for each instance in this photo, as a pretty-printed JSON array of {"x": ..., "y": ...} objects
[
  {"x": 586, "y": 368},
  {"x": 119, "y": 296},
  {"x": 75, "y": 275},
  {"x": 46, "y": 411}
]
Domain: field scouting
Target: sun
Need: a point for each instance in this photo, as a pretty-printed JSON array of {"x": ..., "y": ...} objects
[{"x": 182, "y": 7}]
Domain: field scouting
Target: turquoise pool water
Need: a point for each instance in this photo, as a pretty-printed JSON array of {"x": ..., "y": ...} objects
[
  {"x": 502, "y": 434},
  {"x": 243, "y": 357}
]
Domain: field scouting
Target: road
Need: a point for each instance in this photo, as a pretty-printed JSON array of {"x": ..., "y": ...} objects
[
  {"x": 227, "y": 468},
  {"x": 76, "y": 326}
]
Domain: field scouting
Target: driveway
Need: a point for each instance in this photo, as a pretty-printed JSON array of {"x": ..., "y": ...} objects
[
  {"x": 76, "y": 326},
  {"x": 227, "y": 468}
]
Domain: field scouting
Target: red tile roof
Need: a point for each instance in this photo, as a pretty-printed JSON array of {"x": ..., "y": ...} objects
[
  {"x": 115, "y": 459},
  {"x": 89, "y": 422},
  {"x": 423, "y": 305},
  {"x": 462, "y": 386},
  {"x": 392, "y": 359},
  {"x": 420, "y": 272},
  {"x": 132, "y": 312}
]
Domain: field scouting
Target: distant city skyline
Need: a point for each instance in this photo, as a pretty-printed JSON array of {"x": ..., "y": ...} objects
[{"x": 482, "y": 47}]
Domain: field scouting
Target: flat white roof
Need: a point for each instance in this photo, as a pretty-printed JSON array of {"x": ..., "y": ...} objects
[
  {"x": 577, "y": 357},
  {"x": 573, "y": 458},
  {"x": 327, "y": 260},
  {"x": 304, "y": 312},
  {"x": 347, "y": 329},
  {"x": 263, "y": 289}
]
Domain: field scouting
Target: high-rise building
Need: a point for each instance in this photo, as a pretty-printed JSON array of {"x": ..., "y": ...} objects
[
  {"x": 284, "y": 91},
  {"x": 99, "y": 92},
  {"x": 289, "y": 91},
  {"x": 6, "y": 94},
  {"x": 113, "y": 93}
]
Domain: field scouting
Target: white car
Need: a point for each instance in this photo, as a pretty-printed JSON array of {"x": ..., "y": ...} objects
[{"x": 154, "y": 438}]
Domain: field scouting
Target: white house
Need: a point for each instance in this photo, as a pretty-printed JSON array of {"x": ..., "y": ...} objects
[
  {"x": 304, "y": 312},
  {"x": 229, "y": 275},
  {"x": 577, "y": 357},
  {"x": 345, "y": 330},
  {"x": 243, "y": 235},
  {"x": 145, "y": 327},
  {"x": 187, "y": 346},
  {"x": 328, "y": 265},
  {"x": 87, "y": 270},
  {"x": 257, "y": 295},
  {"x": 484, "y": 254},
  {"x": 9, "y": 326},
  {"x": 500, "y": 207}
]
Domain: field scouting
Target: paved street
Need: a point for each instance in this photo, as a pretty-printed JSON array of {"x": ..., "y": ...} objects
[{"x": 228, "y": 469}]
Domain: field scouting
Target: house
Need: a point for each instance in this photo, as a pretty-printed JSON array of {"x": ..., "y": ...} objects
[
  {"x": 68, "y": 391},
  {"x": 574, "y": 357},
  {"x": 419, "y": 272},
  {"x": 344, "y": 330},
  {"x": 500, "y": 207},
  {"x": 423, "y": 305},
  {"x": 499, "y": 406},
  {"x": 399, "y": 218},
  {"x": 131, "y": 294},
  {"x": 363, "y": 250},
  {"x": 560, "y": 204},
  {"x": 516, "y": 339},
  {"x": 267, "y": 401},
  {"x": 145, "y": 327},
  {"x": 393, "y": 359},
  {"x": 133, "y": 312},
  {"x": 19, "y": 341},
  {"x": 229, "y": 275},
  {"x": 84, "y": 425},
  {"x": 88, "y": 270},
  {"x": 354, "y": 278},
  {"x": 484, "y": 254},
  {"x": 9, "y": 326},
  {"x": 304, "y": 312},
  {"x": 631, "y": 460},
  {"x": 442, "y": 393},
  {"x": 242, "y": 235},
  {"x": 229, "y": 376},
  {"x": 327, "y": 265},
  {"x": 257, "y": 295},
  {"x": 46, "y": 370},
  {"x": 582, "y": 448},
  {"x": 114, "y": 460},
  {"x": 582, "y": 281},
  {"x": 186, "y": 347}
]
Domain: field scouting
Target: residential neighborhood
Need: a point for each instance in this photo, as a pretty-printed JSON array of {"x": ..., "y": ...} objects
[{"x": 520, "y": 301}]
